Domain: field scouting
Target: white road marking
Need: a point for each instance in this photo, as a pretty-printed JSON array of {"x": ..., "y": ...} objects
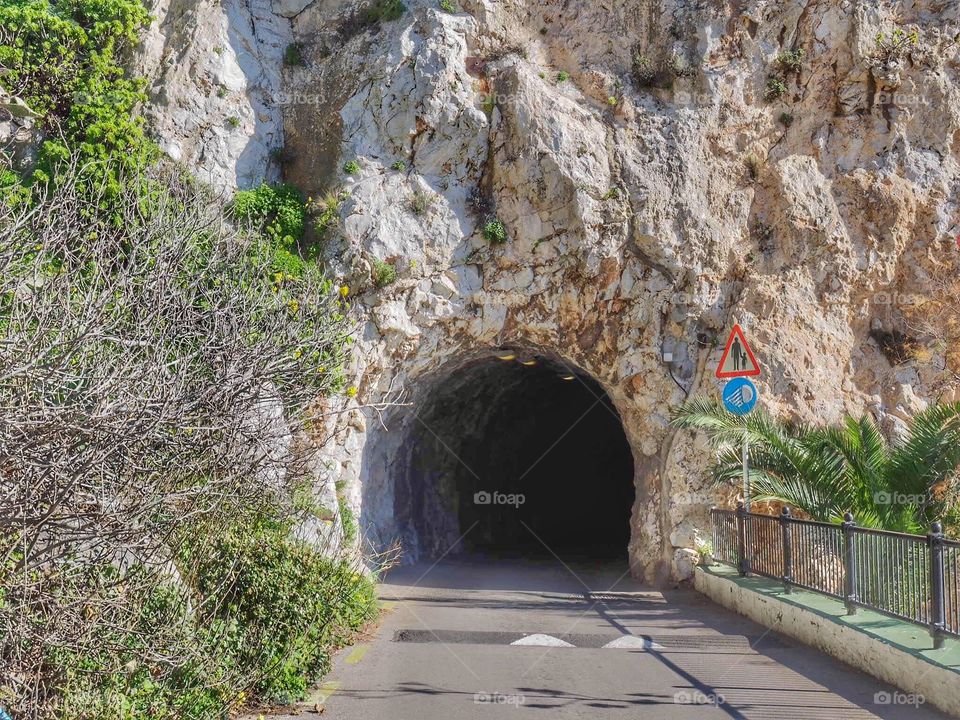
[
  {"x": 541, "y": 640},
  {"x": 632, "y": 642}
]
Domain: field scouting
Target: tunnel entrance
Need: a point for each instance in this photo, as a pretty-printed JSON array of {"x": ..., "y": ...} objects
[{"x": 517, "y": 456}]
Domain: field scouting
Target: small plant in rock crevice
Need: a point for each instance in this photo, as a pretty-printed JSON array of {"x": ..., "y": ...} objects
[
  {"x": 351, "y": 167},
  {"x": 384, "y": 273},
  {"x": 753, "y": 163},
  {"x": 681, "y": 67},
  {"x": 327, "y": 212},
  {"x": 293, "y": 55},
  {"x": 775, "y": 88},
  {"x": 399, "y": 166},
  {"x": 448, "y": 6},
  {"x": 791, "y": 61},
  {"x": 895, "y": 45},
  {"x": 419, "y": 202},
  {"x": 786, "y": 119},
  {"x": 563, "y": 76},
  {"x": 494, "y": 231},
  {"x": 642, "y": 69},
  {"x": 382, "y": 11}
]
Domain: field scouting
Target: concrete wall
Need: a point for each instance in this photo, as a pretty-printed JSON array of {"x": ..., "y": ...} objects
[{"x": 909, "y": 671}]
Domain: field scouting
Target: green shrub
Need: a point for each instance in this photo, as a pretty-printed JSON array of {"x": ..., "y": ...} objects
[
  {"x": 63, "y": 59},
  {"x": 448, "y": 6},
  {"x": 383, "y": 273},
  {"x": 791, "y": 60},
  {"x": 399, "y": 166},
  {"x": 233, "y": 121},
  {"x": 328, "y": 213},
  {"x": 349, "y": 521},
  {"x": 786, "y": 119},
  {"x": 895, "y": 45},
  {"x": 643, "y": 70},
  {"x": 495, "y": 231},
  {"x": 280, "y": 213},
  {"x": 563, "y": 76},
  {"x": 293, "y": 55},
  {"x": 351, "y": 167},
  {"x": 776, "y": 88},
  {"x": 419, "y": 202},
  {"x": 383, "y": 11},
  {"x": 283, "y": 607}
]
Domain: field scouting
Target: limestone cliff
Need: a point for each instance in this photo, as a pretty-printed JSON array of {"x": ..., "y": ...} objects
[{"x": 661, "y": 169}]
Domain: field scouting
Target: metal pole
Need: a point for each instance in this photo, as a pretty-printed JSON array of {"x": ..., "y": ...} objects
[
  {"x": 742, "y": 519},
  {"x": 746, "y": 474},
  {"x": 787, "y": 545},
  {"x": 937, "y": 604},
  {"x": 848, "y": 528}
]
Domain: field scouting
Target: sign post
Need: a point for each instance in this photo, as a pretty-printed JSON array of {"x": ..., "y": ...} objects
[{"x": 740, "y": 395}]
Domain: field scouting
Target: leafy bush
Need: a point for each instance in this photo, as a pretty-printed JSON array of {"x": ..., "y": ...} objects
[
  {"x": 327, "y": 213},
  {"x": 280, "y": 213},
  {"x": 383, "y": 273},
  {"x": 895, "y": 45},
  {"x": 419, "y": 202},
  {"x": 791, "y": 60},
  {"x": 448, "y": 6},
  {"x": 563, "y": 76},
  {"x": 349, "y": 521},
  {"x": 63, "y": 59},
  {"x": 281, "y": 606},
  {"x": 775, "y": 88},
  {"x": 643, "y": 70},
  {"x": 293, "y": 55},
  {"x": 351, "y": 167},
  {"x": 495, "y": 231},
  {"x": 399, "y": 166},
  {"x": 179, "y": 332},
  {"x": 383, "y": 11}
]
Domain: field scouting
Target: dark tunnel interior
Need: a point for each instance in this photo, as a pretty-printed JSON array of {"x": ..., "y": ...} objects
[{"x": 521, "y": 457}]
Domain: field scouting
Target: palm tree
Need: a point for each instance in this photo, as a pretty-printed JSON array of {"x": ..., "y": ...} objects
[{"x": 825, "y": 472}]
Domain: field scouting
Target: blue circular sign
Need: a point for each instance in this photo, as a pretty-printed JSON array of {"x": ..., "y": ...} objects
[{"x": 739, "y": 396}]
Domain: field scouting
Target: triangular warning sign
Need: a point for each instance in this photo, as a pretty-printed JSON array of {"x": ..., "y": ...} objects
[{"x": 738, "y": 359}]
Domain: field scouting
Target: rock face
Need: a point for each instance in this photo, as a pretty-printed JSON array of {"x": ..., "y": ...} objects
[
  {"x": 216, "y": 100},
  {"x": 661, "y": 170}
]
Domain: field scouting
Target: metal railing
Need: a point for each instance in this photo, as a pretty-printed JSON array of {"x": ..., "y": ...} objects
[{"x": 911, "y": 577}]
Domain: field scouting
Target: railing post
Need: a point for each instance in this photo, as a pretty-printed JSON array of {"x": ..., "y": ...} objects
[
  {"x": 742, "y": 519},
  {"x": 849, "y": 529},
  {"x": 787, "y": 545},
  {"x": 937, "y": 604}
]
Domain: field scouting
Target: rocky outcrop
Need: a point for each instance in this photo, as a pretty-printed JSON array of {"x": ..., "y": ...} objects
[
  {"x": 216, "y": 99},
  {"x": 661, "y": 169}
]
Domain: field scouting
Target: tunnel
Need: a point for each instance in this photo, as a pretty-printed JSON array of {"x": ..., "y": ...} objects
[{"x": 515, "y": 456}]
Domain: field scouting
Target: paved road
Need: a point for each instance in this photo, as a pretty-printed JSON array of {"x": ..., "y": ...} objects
[{"x": 511, "y": 640}]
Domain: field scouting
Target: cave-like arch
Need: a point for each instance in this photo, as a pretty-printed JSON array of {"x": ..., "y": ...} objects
[{"x": 510, "y": 454}]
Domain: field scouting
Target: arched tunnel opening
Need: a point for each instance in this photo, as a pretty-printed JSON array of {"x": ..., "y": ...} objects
[{"x": 516, "y": 457}]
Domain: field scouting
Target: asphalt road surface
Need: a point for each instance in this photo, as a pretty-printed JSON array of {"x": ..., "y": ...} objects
[{"x": 465, "y": 640}]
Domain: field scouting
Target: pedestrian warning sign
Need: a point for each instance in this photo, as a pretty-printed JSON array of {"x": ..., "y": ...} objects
[{"x": 738, "y": 359}]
